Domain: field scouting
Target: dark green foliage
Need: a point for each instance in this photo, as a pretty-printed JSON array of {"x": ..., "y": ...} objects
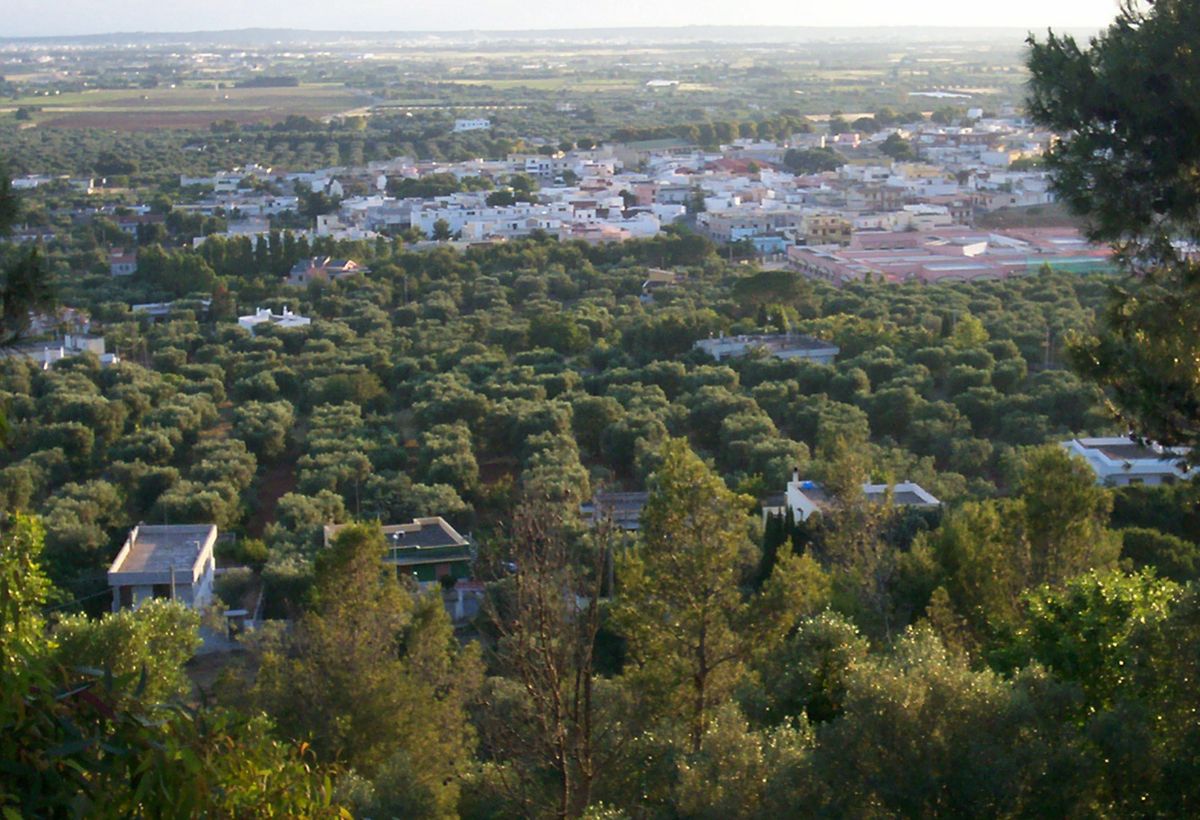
[
  {"x": 1170, "y": 508},
  {"x": 77, "y": 741},
  {"x": 813, "y": 161},
  {"x": 1110, "y": 98},
  {"x": 1129, "y": 168},
  {"x": 898, "y": 148},
  {"x": 1168, "y": 555},
  {"x": 25, "y": 282}
]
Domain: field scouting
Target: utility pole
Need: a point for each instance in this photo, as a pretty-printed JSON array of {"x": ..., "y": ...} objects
[{"x": 172, "y": 581}]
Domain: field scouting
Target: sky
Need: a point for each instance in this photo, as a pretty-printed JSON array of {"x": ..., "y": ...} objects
[{"x": 67, "y": 17}]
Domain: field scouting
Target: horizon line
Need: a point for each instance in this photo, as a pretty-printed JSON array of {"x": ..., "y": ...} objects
[{"x": 557, "y": 29}]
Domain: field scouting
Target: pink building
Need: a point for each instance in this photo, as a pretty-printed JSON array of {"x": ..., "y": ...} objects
[{"x": 954, "y": 254}]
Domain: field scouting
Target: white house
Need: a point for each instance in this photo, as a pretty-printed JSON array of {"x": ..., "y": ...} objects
[
  {"x": 122, "y": 264},
  {"x": 45, "y": 354},
  {"x": 804, "y": 497},
  {"x": 471, "y": 125},
  {"x": 172, "y": 561},
  {"x": 29, "y": 182},
  {"x": 779, "y": 345},
  {"x": 266, "y": 316},
  {"x": 1119, "y": 461}
]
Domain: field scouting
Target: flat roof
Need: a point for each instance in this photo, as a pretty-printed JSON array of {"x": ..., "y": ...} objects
[
  {"x": 157, "y": 548},
  {"x": 433, "y": 531},
  {"x": 904, "y": 494},
  {"x": 903, "y": 498},
  {"x": 1120, "y": 448},
  {"x": 816, "y": 494},
  {"x": 774, "y": 341},
  {"x": 423, "y": 532},
  {"x": 623, "y": 508},
  {"x": 1133, "y": 452},
  {"x": 625, "y": 500}
]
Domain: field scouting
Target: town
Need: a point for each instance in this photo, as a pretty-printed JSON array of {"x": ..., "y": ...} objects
[{"x": 909, "y": 201}]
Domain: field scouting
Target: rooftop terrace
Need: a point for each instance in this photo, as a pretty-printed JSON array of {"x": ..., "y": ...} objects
[{"x": 153, "y": 550}]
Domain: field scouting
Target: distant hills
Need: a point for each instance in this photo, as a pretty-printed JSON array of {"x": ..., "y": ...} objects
[{"x": 680, "y": 34}]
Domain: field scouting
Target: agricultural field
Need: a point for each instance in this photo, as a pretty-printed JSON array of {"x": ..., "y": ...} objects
[
  {"x": 192, "y": 106},
  {"x": 173, "y": 110},
  {"x": 565, "y": 83}
]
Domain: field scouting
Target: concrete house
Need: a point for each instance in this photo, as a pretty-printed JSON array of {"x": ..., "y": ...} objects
[
  {"x": 45, "y": 354},
  {"x": 265, "y": 316},
  {"x": 479, "y": 124},
  {"x": 427, "y": 550},
  {"x": 173, "y": 561},
  {"x": 1119, "y": 461},
  {"x": 803, "y": 497},
  {"x": 322, "y": 269},
  {"x": 779, "y": 345},
  {"x": 623, "y": 509},
  {"x": 122, "y": 264}
]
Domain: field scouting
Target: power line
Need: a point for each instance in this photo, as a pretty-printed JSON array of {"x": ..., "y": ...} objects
[{"x": 78, "y": 600}]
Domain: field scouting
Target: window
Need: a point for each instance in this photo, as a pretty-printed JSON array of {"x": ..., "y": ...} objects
[{"x": 162, "y": 590}]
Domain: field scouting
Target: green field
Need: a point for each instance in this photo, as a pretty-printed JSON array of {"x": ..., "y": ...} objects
[{"x": 184, "y": 106}]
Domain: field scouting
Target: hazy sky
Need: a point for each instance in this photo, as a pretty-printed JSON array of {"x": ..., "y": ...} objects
[{"x": 50, "y": 17}]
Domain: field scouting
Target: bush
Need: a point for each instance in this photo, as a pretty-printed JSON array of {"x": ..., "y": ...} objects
[
  {"x": 1170, "y": 555},
  {"x": 234, "y": 585}
]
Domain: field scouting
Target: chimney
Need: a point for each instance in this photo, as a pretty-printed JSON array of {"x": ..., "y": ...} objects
[{"x": 796, "y": 474}]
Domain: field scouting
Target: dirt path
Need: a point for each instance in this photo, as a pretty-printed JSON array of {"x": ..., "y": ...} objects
[{"x": 277, "y": 481}]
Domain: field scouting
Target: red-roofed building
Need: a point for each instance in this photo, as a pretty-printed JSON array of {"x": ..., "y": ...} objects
[{"x": 121, "y": 263}]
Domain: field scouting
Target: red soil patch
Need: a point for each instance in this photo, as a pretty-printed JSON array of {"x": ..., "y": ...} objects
[{"x": 277, "y": 481}]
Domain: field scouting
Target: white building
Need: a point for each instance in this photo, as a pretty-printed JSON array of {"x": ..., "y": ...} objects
[
  {"x": 122, "y": 264},
  {"x": 779, "y": 345},
  {"x": 481, "y": 221},
  {"x": 45, "y": 354},
  {"x": 165, "y": 561},
  {"x": 471, "y": 125},
  {"x": 1119, "y": 461},
  {"x": 29, "y": 182},
  {"x": 265, "y": 316},
  {"x": 804, "y": 498}
]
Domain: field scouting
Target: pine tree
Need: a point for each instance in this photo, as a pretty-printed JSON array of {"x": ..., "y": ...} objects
[{"x": 679, "y": 601}]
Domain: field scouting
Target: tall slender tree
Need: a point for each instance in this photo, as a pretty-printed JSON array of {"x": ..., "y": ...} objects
[
  {"x": 25, "y": 284},
  {"x": 679, "y": 599},
  {"x": 546, "y": 626}
]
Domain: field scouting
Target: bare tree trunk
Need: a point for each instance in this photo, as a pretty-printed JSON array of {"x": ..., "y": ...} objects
[
  {"x": 546, "y": 643},
  {"x": 701, "y": 682}
]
